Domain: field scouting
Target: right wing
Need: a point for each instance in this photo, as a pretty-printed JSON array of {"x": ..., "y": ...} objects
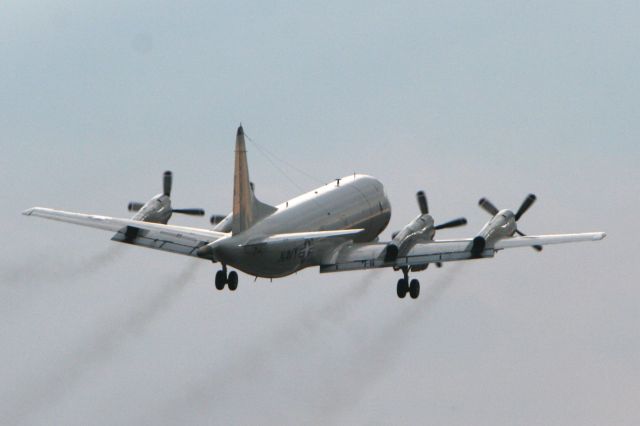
[
  {"x": 171, "y": 238},
  {"x": 371, "y": 255},
  {"x": 542, "y": 240}
]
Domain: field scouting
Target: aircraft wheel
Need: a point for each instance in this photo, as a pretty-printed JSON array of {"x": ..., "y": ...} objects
[
  {"x": 414, "y": 289},
  {"x": 221, "y": 280},
  {"x": 402, "y": 288},
  {"x": 233, "y": 280}
]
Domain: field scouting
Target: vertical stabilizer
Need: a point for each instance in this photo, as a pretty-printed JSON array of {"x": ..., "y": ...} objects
[{"x": 247, "y": 210}]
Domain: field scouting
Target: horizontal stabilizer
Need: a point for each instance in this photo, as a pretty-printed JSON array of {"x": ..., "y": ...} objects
[{"x": 313, "y": 235}]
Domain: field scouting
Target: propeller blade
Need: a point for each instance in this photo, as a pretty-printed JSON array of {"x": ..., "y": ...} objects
[
  {"x": 452, "y": 223},
  {"x": 525, "y": 205},
  {"x": 522, "y": 234},
  {"x": 422, "y": 202},
  {"x": 193, "y": 212},
  {"x": 167, "y": 180},
  {"x": 134, "y": 206},
  {"x": 216, "y": 219},
  {"x": 488, "y": 206}
]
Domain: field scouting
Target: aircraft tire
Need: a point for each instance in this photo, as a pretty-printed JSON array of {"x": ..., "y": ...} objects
[
  {"x": 414, "y": 288},
  {"x": 233, "y": 280},
  {"x": 221, "y": 280},
  {"x": 402, "y": 288}
]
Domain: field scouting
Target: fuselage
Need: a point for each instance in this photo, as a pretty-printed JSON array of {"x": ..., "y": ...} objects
[{"x": 353, "y": 202}]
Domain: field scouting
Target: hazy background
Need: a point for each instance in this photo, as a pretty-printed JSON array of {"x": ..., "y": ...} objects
[{"x": 461, "y": 99}]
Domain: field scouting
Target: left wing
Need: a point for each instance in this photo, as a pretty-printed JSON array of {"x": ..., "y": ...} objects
[
  {"x": 171, "y": 238},
  {"x": 371, "y": 255}
]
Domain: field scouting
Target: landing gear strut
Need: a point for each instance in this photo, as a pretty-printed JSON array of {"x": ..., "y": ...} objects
[
  {"x": 405, "y": 286},
  {"x": 223, "y": 279}
]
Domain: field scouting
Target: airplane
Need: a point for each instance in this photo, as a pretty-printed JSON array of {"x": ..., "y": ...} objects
[{"x": 335, "y": 227}]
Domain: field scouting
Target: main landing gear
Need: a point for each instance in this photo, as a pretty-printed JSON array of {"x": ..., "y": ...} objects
[
  {"x": 405, "y": 286},
  {"x": 222, "y": 278}
]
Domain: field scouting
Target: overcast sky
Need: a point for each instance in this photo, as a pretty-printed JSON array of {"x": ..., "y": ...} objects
[{"x": 461, "y": 99}]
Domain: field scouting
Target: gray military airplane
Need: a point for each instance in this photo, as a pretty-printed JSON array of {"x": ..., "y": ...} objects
[{"x": 335, "y": 227}]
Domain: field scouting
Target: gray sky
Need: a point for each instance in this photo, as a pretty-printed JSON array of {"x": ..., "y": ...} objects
[{"x": 461, "y": 99}]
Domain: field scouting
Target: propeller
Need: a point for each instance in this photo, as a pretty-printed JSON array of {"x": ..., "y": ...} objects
[
  {"x": 451, "y": 224},
  {"x": 488, "y": 206},
  {"x": 424, "y": 209},
  {"x": 134, "y": 206},
  {"x": 526, "y": 204},
  {"x": 422, "y": 202},
  {"x": 167, "y": 183},
  {"x": 192, "y": 212},
  {"x": 216, "y": 219}
]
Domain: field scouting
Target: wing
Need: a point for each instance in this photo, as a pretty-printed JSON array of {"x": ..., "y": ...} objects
[
  {"x": 371, "y": 255},
  {"x": 171, "y": 238},
  {"x": 365, "y": 256},
  {"x": 542, "y": 240}
]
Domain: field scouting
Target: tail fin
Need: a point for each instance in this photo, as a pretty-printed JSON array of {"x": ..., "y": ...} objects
[{"x": 247, "y": 209}]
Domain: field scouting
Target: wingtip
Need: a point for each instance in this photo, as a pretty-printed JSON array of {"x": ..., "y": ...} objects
[{"x": 28, "y": 212}]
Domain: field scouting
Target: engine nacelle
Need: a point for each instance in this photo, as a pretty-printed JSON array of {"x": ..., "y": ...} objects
[
  {"x": 502, "y": 225},
  {"x": 421, "y": 229}
]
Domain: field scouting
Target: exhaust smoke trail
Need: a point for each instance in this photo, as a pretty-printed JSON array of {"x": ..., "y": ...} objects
[
  {"x": 371, "y": 359},
  {"x": 259, "y": 358},
  {"x": 348, "y": 373},
  {"x": 20, "y": 282},
  {"x": 59, "y": 269},
  {"x": 330, "y": 313},
  {"x": 102, "y": 346}
]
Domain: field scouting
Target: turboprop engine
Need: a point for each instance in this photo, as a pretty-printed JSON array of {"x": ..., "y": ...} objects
[
  {"x": 504, "y": 223},
  {"x": 159, "y": 209},
  {"x": 419, "y": 230}
]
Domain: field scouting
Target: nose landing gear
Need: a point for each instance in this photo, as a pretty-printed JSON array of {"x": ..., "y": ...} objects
[
  {"x": 223, "y": 279},
  {"x": 405, "y": 286}
]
